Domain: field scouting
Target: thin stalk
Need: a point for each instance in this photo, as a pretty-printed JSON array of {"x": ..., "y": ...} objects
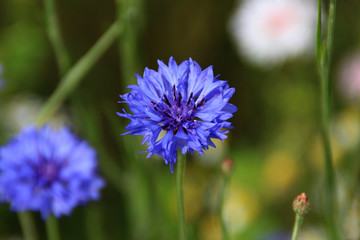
[
  {"x": 330, "y": 191},
  {"x": 74, "y": 76},
  {"x": 27, "y": 225},
  {"x": 94, "y": 223},
  {"x": 52, "y": 228},
  {"x": 331, "y": 29},
  {"x": 298, "y": 221},
  {"x": 180, "y": 171},
  {"x": 54, "y": 33},
  {"x": 319, "y": 36},
  {"x": 129, "y": 12},
  {"x": 324, "y": 53},
  {"x": 225, "y": 233}
]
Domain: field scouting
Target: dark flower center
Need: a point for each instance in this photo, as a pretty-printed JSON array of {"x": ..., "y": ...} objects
[
  {"x": 177, "y": 112},
  {"x": 47, "y": 172}
]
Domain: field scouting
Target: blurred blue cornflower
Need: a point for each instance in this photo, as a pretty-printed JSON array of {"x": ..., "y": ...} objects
[
  {"x": 178, "y": 107},
  {"x": 48, "y": 171},
  {"x": 276, "y": 236}
]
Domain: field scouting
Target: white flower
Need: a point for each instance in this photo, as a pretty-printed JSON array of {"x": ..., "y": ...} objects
[
  {"x": 270, "y": 31},
  {"x": 21, "y": 111},
  {"x": 349, "y": 81}
]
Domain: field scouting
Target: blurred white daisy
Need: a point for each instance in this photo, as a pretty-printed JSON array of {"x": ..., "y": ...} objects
[
  {"x": 269, "y": 31},
  {"x": 21, "y": 111},
  {"x": 349, "y": 79}
]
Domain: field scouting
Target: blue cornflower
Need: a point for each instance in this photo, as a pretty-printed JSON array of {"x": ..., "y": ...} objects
[
  {"x": 48, "y": 171},
  {"x": 187, "y": 105}
]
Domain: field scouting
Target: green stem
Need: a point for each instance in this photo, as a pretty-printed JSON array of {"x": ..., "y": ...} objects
[
  {"x": 28, "y": 226},
  {"x": 52, "y": 228},
  {"x": 318, "y": 35},
  {"x": 129, "y": 12},
  {"x": 55, "y": 37},
  {"x": 331, "y": 30},
  {"x": 298, "y": 221},
  {"x": 181, "y": 162},
  {"x": 94, "y": 223},
  {"x": 330, "y": 195},
  {"x": 324, "y": 53},
  {"x": 77, "y": 72},
  {"x": 225, "y": 233}
]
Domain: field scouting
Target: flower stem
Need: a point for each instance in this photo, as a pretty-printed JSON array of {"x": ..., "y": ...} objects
[
  {"x": 52, "y": 228},
  {"x": 73, "y": 77},
  {"x": 181, "y": 162},
  {"x": 28, "y": 226},
  {"x": 324, "y": 52},
  {"x": 130, "y": 13},
  {"x": 94, "y": 223},
  {"x": 54, "y": 33},
  {"x": 298, "y": 221}
]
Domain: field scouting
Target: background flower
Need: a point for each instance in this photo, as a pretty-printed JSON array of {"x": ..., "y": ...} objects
[
  {"x": 269, "y": 31},
  {"x": 47, "y": 171},
  {"x": 188, "y": 105},
  {"x": 349, "y": 79},
  {"x": 21, "y": 111}
]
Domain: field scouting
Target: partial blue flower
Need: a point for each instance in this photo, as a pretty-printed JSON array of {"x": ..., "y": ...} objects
[
  {"x": 276, "y": 236},
  {"x": 187, "y": 105},
  {"x": 48, "y": 171}
]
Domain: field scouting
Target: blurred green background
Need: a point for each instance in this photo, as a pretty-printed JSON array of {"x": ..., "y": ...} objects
[{"x": 276, "y": 146}]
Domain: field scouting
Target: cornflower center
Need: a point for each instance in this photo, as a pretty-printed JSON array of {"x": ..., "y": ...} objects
[
  {"x": 47, "y": 171},
  {"x": 176, "y": 111}
]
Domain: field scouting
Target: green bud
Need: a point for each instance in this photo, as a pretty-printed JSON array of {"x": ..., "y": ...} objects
[{"x": 301, "y": 204}]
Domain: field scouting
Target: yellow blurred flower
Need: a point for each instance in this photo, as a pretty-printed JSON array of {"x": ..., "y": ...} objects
[
  {"x": 345, "y": 136},
  {"x": 241, "y": 208},
  {"x": 279, "y": 173},
  {"x": 346, "y": 128},
  {"x": 210, "y": 228},
  {"x": 193, "y": 201},
  {"x": 351, "y": 222},
  {"x": 316, "y": 153},
  {"x": 312, "y": 234}
]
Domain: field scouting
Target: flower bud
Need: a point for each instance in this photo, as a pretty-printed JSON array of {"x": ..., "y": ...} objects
[
  {"x": 227, "y": 165},
  {"x": 301, "y": 204}
]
